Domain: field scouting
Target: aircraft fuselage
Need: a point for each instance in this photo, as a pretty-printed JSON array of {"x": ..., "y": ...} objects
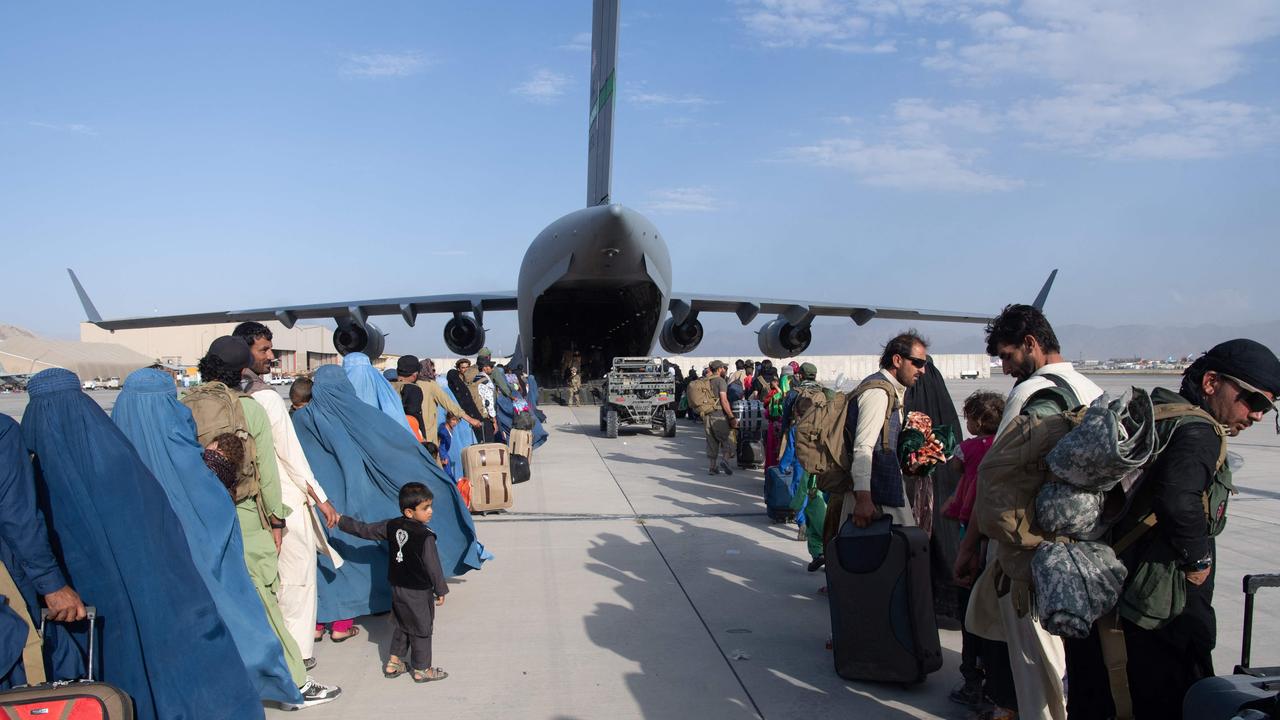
[{"x": 593, "y": 285}]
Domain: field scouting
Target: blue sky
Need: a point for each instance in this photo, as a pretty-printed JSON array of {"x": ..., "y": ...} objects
[{"x": 190, "y": 157}]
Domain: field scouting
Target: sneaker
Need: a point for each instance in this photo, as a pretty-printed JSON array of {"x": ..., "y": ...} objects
[
  {"x": 313, "y": 693},
  {"x": 309, "y": 663},
  {"x": 724, "y": 467},
  {"x": 816, "y": 563},
  {"x": 713, "y": 471}
]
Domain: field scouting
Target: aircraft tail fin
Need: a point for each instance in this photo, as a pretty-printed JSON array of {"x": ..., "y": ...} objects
[
  {"x": 604, "y": 56},
  {"x": 1044, "y": 291},
  {"x": 90, "y": 312}
]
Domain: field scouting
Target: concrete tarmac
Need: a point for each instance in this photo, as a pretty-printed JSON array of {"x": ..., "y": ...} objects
[{"x": 630, "y": 584}]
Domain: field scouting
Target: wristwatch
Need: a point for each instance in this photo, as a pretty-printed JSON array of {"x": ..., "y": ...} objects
[
  {"x": 275, "y": 523},
  {"x": 1199, "y": 565}
]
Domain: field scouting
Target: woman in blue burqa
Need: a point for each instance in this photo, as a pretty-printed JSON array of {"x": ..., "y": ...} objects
[
  {"x": 161, "y": 638},
  {"x": 164, "y": 434},
  {"x": 370, "y": 386},
  {"x": 362, "y": 459}
]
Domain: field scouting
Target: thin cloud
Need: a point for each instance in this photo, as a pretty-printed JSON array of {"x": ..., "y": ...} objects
[
  {"x": 683, "y": 199},
  {"x": 903, "y": 166},
  {"x": 544, "y": 87},
  {"x": 648, "y": 98},
  {"x": 76, "y": 128},
  {"x": 385, "y": 65}
]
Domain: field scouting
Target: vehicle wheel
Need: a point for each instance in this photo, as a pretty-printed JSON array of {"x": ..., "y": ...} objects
[
  {"x": 668, "y": 424},
  {"x": 611, "y": 423}
]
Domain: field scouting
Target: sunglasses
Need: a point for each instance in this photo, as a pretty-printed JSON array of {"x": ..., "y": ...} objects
[
  {"x": 1256, "y": 401},
  {"x": 915, "y": 361}
]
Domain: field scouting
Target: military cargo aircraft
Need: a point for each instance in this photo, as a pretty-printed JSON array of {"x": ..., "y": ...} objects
[{"x": 594, "y": 285}]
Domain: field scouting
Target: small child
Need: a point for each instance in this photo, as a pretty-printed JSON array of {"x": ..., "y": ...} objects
[
  {"x": 982, "y": 412},
  {"x": 299, "y": 393},
  {"x": 417, "y": 580},
  {"x": 224, "y": 455},
  {"x": 444, "y": 433}
]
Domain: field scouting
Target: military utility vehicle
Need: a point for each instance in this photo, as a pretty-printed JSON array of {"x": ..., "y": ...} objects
[{"x": 638, "y": 392}]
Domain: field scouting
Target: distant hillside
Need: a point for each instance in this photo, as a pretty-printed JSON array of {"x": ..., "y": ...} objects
[{"x": 13, "y": 331}]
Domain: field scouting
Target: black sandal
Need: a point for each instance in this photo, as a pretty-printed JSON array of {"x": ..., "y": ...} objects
[{"x": 354, "y": 631}]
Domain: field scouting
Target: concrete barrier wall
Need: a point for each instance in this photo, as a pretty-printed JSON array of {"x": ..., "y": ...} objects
[{"x": 845, "y": 371}]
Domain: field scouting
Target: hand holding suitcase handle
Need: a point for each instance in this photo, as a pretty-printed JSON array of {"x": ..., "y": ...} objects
[
  {"x": 91, "y": 613},
  {"x": 64, "y": 605}
]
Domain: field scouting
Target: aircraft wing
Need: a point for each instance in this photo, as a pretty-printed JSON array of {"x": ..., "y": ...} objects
[
  {"x": 354, "y": 311},
  {"x": 797, "y": 312}
]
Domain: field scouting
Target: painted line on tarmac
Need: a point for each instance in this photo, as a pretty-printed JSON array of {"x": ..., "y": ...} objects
[{"x": 587, "y": 517}]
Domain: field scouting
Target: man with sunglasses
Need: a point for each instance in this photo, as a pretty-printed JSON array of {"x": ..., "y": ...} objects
[
  {"x": 878, "y": 486},
  {"x": 1185, "y": 493}
]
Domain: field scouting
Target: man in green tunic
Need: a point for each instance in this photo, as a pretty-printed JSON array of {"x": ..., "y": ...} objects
[{"x": 259, "y": 507}]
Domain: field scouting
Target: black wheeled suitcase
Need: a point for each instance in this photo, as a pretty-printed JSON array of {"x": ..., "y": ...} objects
[
  {"x": 1250, "y": 689},
  {"x": 878, "y": 586},
  {"x": 74, "y": 699}
]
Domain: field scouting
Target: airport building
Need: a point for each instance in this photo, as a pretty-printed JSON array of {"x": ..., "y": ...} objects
[{"x": 300, "y": 349}]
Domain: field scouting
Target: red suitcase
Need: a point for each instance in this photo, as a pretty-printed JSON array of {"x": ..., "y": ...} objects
[{"x": 68, "y": 699}]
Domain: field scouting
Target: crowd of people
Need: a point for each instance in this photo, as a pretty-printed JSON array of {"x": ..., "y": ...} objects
[
  {"x": 221, "y": 533},
  {"x": 1011, "y": 665}
]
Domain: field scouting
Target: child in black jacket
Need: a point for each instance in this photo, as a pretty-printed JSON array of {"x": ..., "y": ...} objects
[{"x": 417, "y": 580}]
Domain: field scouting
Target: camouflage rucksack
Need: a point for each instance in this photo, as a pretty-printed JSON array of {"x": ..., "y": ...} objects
[{"x": 216, "y": 410}]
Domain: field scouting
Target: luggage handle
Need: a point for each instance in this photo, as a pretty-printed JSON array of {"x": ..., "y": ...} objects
[
  {"x": 1251, "y": 583},
  {"x": 91, "y": 614}
]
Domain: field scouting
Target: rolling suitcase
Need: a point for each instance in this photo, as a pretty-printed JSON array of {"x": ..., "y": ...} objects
[
  {"x": 522, "y": 442},
  {"x": 488, "y": 467},
  {"x": 777, "y": 495},
  {"x": 750, "y": 453},
  {"x": 878, "y": 586},
  {"x": 1250, "y": 688},
  {"x": 75, "y": 700}
]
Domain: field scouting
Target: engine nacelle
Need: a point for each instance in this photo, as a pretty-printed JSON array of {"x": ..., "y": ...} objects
[
  {"x": 464, "y": 335},
  {"x": 679, "y": 338},
  {"x": 780, "y": 339},
  {"x": 351, "y": 338}
]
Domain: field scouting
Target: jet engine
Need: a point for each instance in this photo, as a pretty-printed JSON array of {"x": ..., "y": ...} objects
[
  {"x": 349, "y": 338},
  {"x": 464, "y": 335},
  {"x": 678, "y": 338},
  {"x": 780, "y": 339}
]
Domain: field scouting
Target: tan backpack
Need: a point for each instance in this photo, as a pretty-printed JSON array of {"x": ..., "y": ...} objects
[
  {"x": 216, "y": 410},
  {"x": 820, "y": 418},
  {"x": 700, "y": 397}
]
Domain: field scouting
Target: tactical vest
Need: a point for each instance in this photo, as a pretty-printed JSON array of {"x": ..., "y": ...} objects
[{"x": 405, "y": 569}]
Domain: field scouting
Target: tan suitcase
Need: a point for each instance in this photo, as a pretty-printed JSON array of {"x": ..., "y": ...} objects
[
  {"x": 488, "y": 467},
  {"x": 522, "y": 442}
]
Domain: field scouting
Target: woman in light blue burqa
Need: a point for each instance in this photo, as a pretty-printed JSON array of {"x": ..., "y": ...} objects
[
  {"x": 164, "y": 434},
  {"x": 371, "y": 387},
  {"x": 361, "y": 459}
]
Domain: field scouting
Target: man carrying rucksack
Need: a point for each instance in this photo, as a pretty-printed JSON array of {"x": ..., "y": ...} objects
[
  {"x": 877, "y": 486},
  {"x": 1045, "y": 384},
  {"x": 1178, "y": 508},
  {"x": 719, "y": 422},
  {"x": 219, "y": 408}
]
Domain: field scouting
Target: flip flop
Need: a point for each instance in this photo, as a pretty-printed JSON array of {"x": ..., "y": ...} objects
[{"x": 354, "y": 631}]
